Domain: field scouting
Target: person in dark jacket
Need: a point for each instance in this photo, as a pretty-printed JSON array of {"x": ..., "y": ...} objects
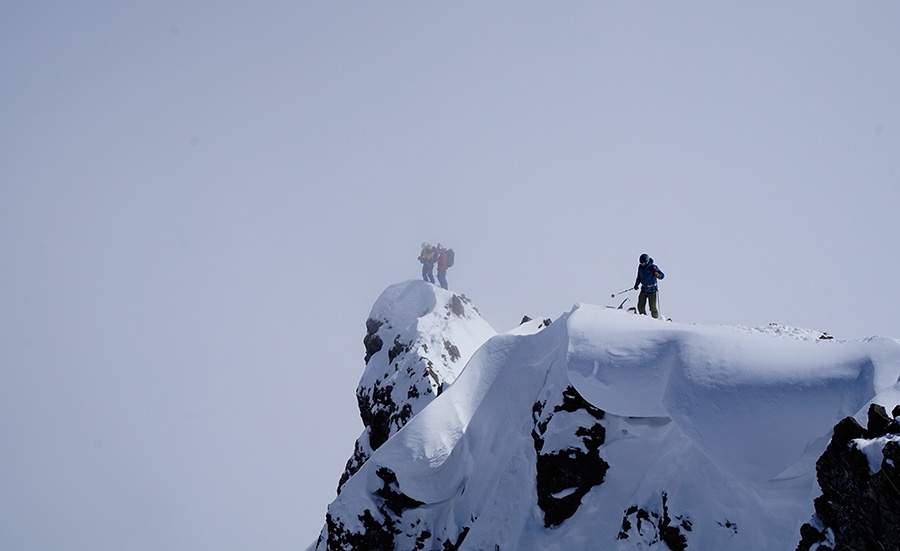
[
  {"x": 648, "y": 275},
  {"x": 442, "y": 265},
  {"x": 427, "y": 258}
]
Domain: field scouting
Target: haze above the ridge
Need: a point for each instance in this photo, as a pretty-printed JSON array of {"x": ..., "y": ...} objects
[{"x": 200, "y": 203}]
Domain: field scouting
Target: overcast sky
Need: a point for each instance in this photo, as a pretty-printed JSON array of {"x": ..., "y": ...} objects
[{"x": 200, "y": 202}]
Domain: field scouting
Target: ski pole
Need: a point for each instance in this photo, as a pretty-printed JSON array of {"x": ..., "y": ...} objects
[{"x": 620, "y": 292}]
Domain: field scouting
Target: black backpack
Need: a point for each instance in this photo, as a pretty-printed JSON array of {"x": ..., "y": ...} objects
[{"x": 449, "y": 258}]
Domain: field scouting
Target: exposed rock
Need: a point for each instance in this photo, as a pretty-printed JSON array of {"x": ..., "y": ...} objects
[
  {"x": 376, "y": 536},
  {"x": 360, "y": 456},
  {"x": 456, "y": 305},
  {"x": 811, "y": 538},
  {"x": 453, "y": 350},
  {"x": 565, "y": 476},
  {"x": 397, "y": 349},
  {"x": 380, "y": 528},
  {"x": 385, "y": 528},
  {"x": 544, "y": 323},
  {"x": 879, "y": 424},
  {"x": 372, "y": 341},
  {"x": 858, "y": 509},
  {"x": 394, "y": 500},
  {"x": 649, "y": 527}
]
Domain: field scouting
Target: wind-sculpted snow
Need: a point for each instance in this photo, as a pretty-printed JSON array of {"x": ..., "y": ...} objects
[
  {"x": 605, "y": 430},
  {"x": 750, "y": 400}
]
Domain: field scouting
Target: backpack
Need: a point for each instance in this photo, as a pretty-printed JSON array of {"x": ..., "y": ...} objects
[
  {"x": 427, "y": 255},
  {"x": 449, "y": 258}
]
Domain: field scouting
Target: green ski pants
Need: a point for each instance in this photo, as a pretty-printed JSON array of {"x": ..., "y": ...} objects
[{"x": 643, "y": 298}]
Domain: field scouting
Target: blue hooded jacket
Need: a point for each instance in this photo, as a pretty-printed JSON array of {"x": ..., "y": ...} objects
[{"x": 647, "y": 277}]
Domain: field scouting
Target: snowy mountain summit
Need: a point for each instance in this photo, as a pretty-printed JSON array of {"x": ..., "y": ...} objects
[{"x": 606, "y": 430}]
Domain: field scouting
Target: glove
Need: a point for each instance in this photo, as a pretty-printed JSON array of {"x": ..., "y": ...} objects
[{"x": 636, "y": 286}]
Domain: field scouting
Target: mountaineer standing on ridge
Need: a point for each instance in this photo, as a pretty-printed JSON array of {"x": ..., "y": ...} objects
[
  {"x": 444, "y": 261},
  {"x": 427, "y": 258},
  {"x": 647, "y": 275}
]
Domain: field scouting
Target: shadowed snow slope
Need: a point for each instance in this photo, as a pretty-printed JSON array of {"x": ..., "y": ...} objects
[{"x": 607, "y": 430}]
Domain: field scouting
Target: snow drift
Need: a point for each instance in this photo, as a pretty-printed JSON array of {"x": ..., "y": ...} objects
[{"x": 603, "y": 430}]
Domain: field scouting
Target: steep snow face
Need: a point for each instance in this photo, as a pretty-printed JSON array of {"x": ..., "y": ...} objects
[
  {"x": 613, "y": 431},
  {"x": 419, "y": 338}
]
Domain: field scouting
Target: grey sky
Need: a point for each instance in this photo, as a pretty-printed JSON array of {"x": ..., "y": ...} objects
[{"x": 200, "y": 202}]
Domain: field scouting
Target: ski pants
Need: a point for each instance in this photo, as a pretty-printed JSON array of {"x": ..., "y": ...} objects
[
  {"x": 442, "y": 279},
  {"x": 645, "y": 297},
  {"x": 428, "y": 272}
]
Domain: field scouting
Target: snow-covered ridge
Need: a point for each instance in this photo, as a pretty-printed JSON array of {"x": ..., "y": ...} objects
[
  {"x": 748, "y": 400},
  {"x": 601, "y": 430},
  {"x": 419, "y": 337}
]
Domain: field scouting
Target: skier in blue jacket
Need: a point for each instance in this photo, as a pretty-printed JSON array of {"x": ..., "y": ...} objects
[{"x": 647, "y": 275}]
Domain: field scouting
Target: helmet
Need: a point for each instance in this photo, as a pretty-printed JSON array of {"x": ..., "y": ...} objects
[
  {"x": 645, "y": 258},
  {"x": 425, "y": 244}
]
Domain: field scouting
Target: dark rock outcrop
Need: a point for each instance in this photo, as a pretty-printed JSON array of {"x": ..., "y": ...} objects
[
  {"x": 565, "y": 476},
  {"x": 457, "y": 306},
  {"x": 654, "y": 526},
  {"x": 372, "y": 341},
  {"x": 379, "y": 528},
  {"x": 858, "y": 509},
  {"x": 384, "y": 528}
]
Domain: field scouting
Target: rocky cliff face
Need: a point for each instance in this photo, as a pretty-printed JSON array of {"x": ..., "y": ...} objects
[{"x": 859, "y": 475}]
